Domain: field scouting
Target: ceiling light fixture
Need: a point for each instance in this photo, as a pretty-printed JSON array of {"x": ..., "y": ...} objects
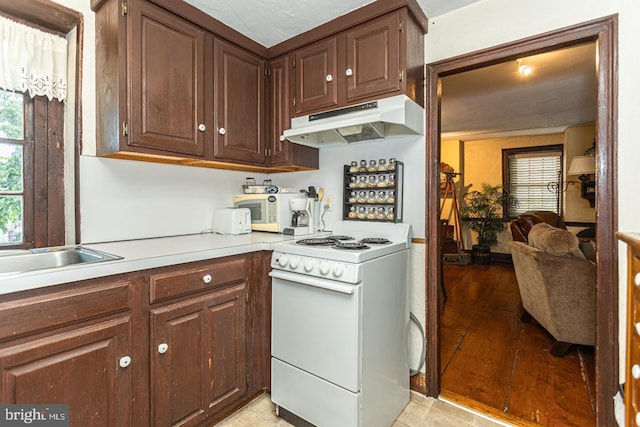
[{"x": 523, "y": 69}]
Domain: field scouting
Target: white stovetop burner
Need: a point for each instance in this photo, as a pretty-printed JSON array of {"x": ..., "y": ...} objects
[{"x": 399, "y": 236}]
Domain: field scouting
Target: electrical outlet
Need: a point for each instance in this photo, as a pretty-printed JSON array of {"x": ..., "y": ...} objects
[{"x": 328, "y": 201}]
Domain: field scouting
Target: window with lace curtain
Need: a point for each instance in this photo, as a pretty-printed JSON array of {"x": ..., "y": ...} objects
[
  {"x": 33, "y": 88},
  {"x": 531, "y": 175}
]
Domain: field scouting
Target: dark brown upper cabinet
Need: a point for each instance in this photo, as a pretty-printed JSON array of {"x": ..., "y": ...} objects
[
  {"x": 239, "y": 105},
  {"x": 316, "y": 76},
  {"x": 159, "y": 110},
  {"x": 373, "y": 58},
  {"x": 378, "y": 58},
  {"x": 281, "y": 151},
  {"x": 174, "y": 85},
  {"x": 167, "y": 81}
]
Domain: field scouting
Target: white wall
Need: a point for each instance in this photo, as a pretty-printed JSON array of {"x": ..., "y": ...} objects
[{"x": 493, "y": 22}]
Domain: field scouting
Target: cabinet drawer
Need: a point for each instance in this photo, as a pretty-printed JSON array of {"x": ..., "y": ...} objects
[
  {"x": 56, "y": 308},
  {"x": 178, "y": 282}
]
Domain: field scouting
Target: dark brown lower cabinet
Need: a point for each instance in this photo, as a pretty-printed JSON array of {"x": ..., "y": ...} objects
[
  {"x": 85, "y": 366},
  {"x": 180, "y": 345},
  {"x": 198, "y": 356}
]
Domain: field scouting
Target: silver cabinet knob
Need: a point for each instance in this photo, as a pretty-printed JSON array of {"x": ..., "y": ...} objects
[
  {"x": 202, "y": 127},
  {"x": 636, "y": 279},
  {"x": 222, "y": 131},
  {"x": 207, "y": 278},
  {"x": 329, "y": 78},
  {"x": 162, "y": 348},
  {"x": 125, "y": 361},
  {"x": 349, "y": 72},
  {"x": 635, "y": 371},
  {"x": 282, "y": 138}
]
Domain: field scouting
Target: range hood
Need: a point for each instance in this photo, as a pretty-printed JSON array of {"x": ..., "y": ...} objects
[{"x": 388, "y": 117}]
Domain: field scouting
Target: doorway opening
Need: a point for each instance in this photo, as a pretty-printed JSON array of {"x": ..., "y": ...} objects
[{"x": 603, "y": 33}]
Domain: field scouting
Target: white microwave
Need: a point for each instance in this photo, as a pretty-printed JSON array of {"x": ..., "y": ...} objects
[{"x": 269, "y": 212}]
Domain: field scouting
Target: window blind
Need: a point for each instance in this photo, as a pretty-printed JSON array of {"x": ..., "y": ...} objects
[{"x": 529, "y": 178}]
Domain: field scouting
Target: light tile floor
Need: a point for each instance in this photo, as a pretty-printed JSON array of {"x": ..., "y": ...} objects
[{"x": 421, "y": 411}]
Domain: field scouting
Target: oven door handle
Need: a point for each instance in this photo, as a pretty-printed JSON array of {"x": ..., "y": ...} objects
[{"x": 313, "y": 281}]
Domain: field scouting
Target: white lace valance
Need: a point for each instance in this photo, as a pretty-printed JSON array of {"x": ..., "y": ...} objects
[{"x": 32, "y": 61}]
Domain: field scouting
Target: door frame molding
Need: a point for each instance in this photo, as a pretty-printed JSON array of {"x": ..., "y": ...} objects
[{"x": 604, "y": 32}]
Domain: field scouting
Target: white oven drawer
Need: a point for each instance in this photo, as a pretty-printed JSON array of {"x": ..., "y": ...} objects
[
  {"x": 317, "y": 401},
  {"x": 318, "y": 329}
]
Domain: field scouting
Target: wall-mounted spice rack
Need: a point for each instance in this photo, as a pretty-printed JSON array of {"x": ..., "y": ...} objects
[{"x": 373, "y": 191}]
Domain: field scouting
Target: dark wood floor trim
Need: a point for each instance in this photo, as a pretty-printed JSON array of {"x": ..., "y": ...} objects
[
  {"x": 604, "y": 32},
  {"x": 418, "y": 383}
]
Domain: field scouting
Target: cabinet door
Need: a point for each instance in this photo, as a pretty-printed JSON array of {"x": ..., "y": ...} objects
[
  {"x": 167, "y": 77},
  {"x": 280, "y": 119},
  {"x": 316, "y": 72},
  {"x": 239, "y": 98},
  {"x": 80, "y": 368},
  {"x": 198, "y": 360},
  {"x": 373, "y": 58}
]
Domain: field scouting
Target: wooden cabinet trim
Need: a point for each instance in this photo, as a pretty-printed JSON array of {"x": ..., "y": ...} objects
[
  {"x": 175, "y": 283},
  {"x": 57, "y": 308}
]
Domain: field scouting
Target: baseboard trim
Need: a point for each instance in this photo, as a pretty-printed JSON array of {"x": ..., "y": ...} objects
[{"x": 418, "y": 383}]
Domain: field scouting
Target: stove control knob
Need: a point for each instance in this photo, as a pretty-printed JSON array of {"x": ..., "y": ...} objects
[
  {"x": 338, "y": 270},
  {"x": 294, "y": 263},
  {"x": 324, "y": 268},
  {"x": 308, "y": 265},
  {"x": 283, "y": 260}
]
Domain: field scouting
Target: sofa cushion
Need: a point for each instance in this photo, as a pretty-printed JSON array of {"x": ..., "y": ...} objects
[{"x": 555, "y": 241}]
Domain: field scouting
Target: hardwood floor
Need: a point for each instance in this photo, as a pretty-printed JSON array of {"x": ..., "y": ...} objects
[{"x": 494, "y": 363}]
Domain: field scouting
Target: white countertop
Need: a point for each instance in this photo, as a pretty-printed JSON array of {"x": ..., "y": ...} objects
[{"x": 144, "y": 254}]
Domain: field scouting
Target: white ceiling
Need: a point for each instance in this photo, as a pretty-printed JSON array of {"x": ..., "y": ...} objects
[
  {"x": 270, "y": 22},
  {"x": 489, "y": 102}
]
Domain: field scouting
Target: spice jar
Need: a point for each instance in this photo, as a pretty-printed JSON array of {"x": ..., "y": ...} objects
[
  {"x": 382, "y": 197},
  {"x": 352, "y": 197},
  {"x": 391, "y": 214},
  {"x": 382, "y": 181},
  {"x": 372, "y": 166},
  {"x": 372, "y": 182},
  {"x": 392, "y": 164},
  {"x": 353, "y": 182},
  {"x": 392, "y": 197},
  {"x": 362, "y": 183},
  {"x": 362, "y": 214},
  {"x": 371, "y": 213},
  {"x": 363, "y": 166},
  {"x": 352, "y": 212},
  {"x": 362, "y": 197},
  {"x": 381, "y": 214},
  {"x": 382, "y": 165},
  {"x": 354, "y": 167},
  {"x": 392, "y": 180},
  {"x": 372, "y": 197}
]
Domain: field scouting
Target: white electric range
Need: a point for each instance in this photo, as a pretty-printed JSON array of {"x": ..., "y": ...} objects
[{"x": 340, "y": 319}]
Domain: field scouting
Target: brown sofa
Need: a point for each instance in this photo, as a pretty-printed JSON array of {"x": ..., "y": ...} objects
[
  {"x": 557, "y": 286},
  {"x": 521, "y": 226}
]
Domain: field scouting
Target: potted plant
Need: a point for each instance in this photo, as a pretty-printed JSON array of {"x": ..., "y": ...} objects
[{"x": 483, "y": 214}]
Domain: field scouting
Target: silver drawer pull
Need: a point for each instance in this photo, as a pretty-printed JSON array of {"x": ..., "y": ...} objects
[
  {"x": 282, "y": 138},
  {"x": 162, "y": 348},
  {"x": 329, "y": 78},
  {"x": 349, "y": 72},
  {"x": 222, "y": 131},
  {"x": 207, "y": 278},
  {"x": 636, "y": 279},
  {"x": 125, "y": 361},
  {"x": 202, "y": 127}
]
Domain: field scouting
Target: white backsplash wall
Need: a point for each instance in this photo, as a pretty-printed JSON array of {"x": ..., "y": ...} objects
[
  {"x": 333, "y": 158},
  {"x": 124, "y": 199}
]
